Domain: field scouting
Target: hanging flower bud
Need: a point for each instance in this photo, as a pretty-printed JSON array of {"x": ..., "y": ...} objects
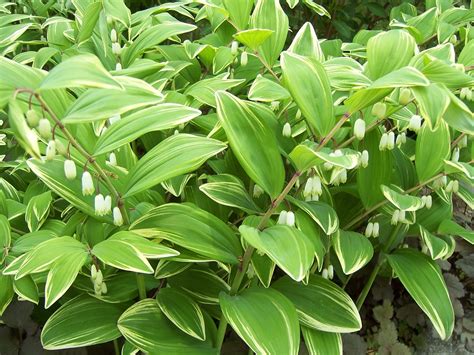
[
  {"x": 87, "y": 184},
  {"x": 427, "y": 201},
  {"x": 364, "y": 158},
  {"x": 327, "y": 165},
  {"x": 274, "y": 105},
  {"x": 391, "y": 141},
  {"x": 375, "y": 232},
  {"x": 331, "y": 272},
  {"x": 93, "y": 272},
  {"x": 234, "y": 48},
  {"x": 112, "y": 159},
  {"x": 453, "y": 39},
  {"x": 369, "y": 230},
  {"x": 257, "y": 191},
  {"x": 98, "y": 289},
  {"x": 343, "y": 176},
  {"x": 99, "y": 278},
  {"x": 395, "y": 217},
  {"x": 298, "y": 114},
  {"x": 455, "y": 155},
  {"x": 44, "y": 128},
  {"x": 244, "y": 58},
  {"x": 317, "y": 187},
  {"x": 118, "y": 66},
  {"x": 401, "y": 216},
  {"x": 99, "y": 205},
  {"x": 379, "y": 110},
  {"x": 308, "y": 187},
  {"x": 463, "y": 142},
  {"x": 103, "y": 288},
  {"x": 32, "y": 118},
  {"x": 118, "y": 219},
  {"x": 290, "y": 219},
  {"x": 60, "y": 147},
  {"x": 69, "y": 169},
  {"x": 453, "y": 186},
  {"x": 282, "y": 217},
  {"x": 405, "y": 96},
  {"x": 116, "y": 49},
  {"x": 415, "y": 123},
  {"x": 107, "y": 204},
  {"x": 314, "y": 197},
  {"x": 51, "y": 150},
  {"x": 113, "y": 119},
  {"x": 383, "y": 142},
  {"x": 286, "y": 130},
  {"x": 325, "y": 273},
  {"x": 359, "y": 129},
  {"x": 113, "y": 35}
]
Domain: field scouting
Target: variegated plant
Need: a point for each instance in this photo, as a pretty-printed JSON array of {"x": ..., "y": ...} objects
[{"x": 194, "y": 169}]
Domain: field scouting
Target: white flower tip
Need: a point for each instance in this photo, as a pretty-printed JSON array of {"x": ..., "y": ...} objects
[
  {"x": 87, "y": 184},
  {"x": 359, "y": 129},
  {"x": 290, "y": 219},
  {"x": 286, "y": 130}
]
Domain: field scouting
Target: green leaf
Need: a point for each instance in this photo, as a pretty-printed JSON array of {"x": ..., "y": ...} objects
[
  {"x": 37, "y": 210},
  {"x": 89, "y": 20},
  {"x": 432, "y": 101},
  {"x": 253, "y": 38},
  {"x": 122, "y": 255},
  {"x": 149, "y": 249},
  {"x": 450, "y": 227},
  {"x": 26, "y": 289},
  {"x": 135, "y": 125},
  {"x": 176, "y": 155},
  {"x": 117, "y": 10},
  {"x": 82, "y": 321},
  {"x": 239, "y": 12},
  {"x": 182, "y": 311},
  {"x": 336, "y": 312},
  {"x": 6, "y": 292},
  {"x": 267, "y": 90},
  {"x": 252, "y": 142},
  {"x": 62, "y": 275},
  {"x": 268, "y": 14},
  {"x": 323, "y": 214},
  {"x": 98, "y": 104},
  {"x": 458, "y": 115},
  {"x": 401, "y": 201},
  {"x": 307, "y": 81},
  {"x": 202, "y": 285},
  {"x": 305, "y": 157},
  {"x": 353, "y": 250},
  {"x": 145, "y": 326},
  {"x": 422, "y": 278},
  {"x": 152, "y": 37},
  {"x": 84, "y": 70},
  {"x": 306, "y": 43},
  {"x": 377, "y": 173},
  {"x": 389, "y": 51},
  {"x": 430, "y": 161},
  {"x": 440, "y": 72},
  {"x": 265, "y": 319},
  {"x": 322, "y": 343},
  {"x": 5, "y": 237},
  {"x": 228, "y": 190},
  {"x": 23, "y": 133},
  {"x": 204, "y": 90},
  {"x": 287, "y": 246},
  {"x": 176, "y": 222},
  {"x": 403, "y": 77},
  {"x": 45, "y": 255},
  {"x": 437, "y": 247}
]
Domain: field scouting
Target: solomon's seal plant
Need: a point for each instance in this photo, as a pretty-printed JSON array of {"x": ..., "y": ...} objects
[{"x": 194, "y": 169}]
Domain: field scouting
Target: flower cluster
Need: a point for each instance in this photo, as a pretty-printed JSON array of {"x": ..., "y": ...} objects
[{"x": 100, "y": 288}]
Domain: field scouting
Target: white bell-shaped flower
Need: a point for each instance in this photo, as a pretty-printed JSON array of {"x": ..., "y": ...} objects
[
  {"x": 118, "y": 219},
  {"x": 44, "y": 128},
  {"x": 113, "y": 35},
  {"x": 282, "y": 217},
  {"x": 364, "y": 158},
  {"x": 51, "y": 150},
  {"x": 359, "y": 129},
  {"x": 107, "y": 204},
  {"x": 99, "y": 205},
  {"x": 87, "y": 184},
  {"x": 379, "y": 110},
  {"x": 383, "y": 142},
  {"x": 286, "y": 130},
  {"x": 415, "y": 123},
  {"x": 257, "y": 191},
  {"x": 69, "y": 169},
  {"x": 244, "y": 58},
  {"x": 369, "y": 230},
  {"x": 112, "y": 159},
  {"x": 376, "y": 230},
  {"x": 391, "y": 141},
  {"x": 290, "y": 219}
]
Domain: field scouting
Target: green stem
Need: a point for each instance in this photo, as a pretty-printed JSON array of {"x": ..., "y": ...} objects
[
  {"x": 141, "y": 286},
  {"x": 116, "y": 347},
  {"x": 263, "y": 223},
  {"x": 368, "y": 285}
]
